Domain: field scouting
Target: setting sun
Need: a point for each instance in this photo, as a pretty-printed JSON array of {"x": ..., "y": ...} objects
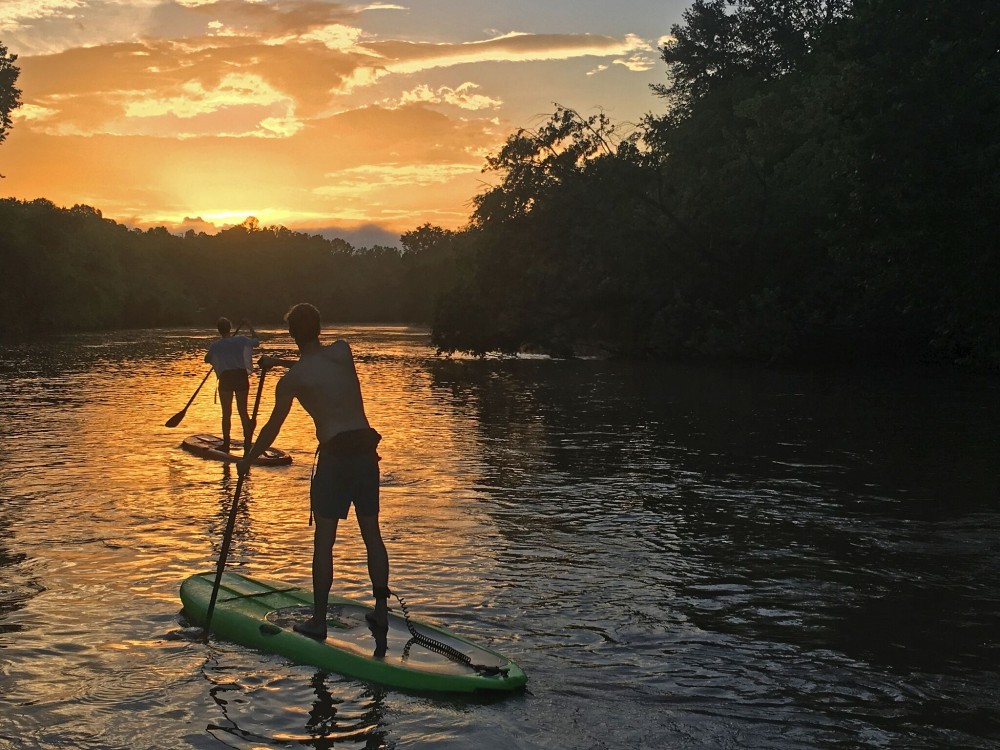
[{"x": 321, "y": 117}]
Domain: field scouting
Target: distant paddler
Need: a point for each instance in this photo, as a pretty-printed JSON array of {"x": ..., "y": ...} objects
[{"x": 232, "y": 359}]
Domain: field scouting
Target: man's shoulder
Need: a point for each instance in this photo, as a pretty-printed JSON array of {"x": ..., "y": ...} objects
[{"x": 339, "y": 351}]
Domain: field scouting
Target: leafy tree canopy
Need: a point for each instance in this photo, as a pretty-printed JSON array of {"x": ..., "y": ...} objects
[
  {"x": 724, "y": 40},
  {"x": 10, "y": 95}
]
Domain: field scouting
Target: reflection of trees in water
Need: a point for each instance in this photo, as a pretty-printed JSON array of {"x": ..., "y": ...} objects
[
  {"x": 327, "y": 725},
  {"x": 52, "y": 356},
  {"x": 539, "y": 415},
  {"x": 56, "y": 355},
  {"x": 775, "y": 505},
  {"x": 639, "y": 424},
  {"x": 853, "y": 431}
]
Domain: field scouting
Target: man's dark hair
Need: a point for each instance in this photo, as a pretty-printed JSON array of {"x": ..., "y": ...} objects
[
  {"x": 303, "y": 322},
  {"x": 224, "y": 326}
]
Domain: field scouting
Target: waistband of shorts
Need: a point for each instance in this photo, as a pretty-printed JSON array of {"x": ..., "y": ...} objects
[{"x": 352, "y": 443}]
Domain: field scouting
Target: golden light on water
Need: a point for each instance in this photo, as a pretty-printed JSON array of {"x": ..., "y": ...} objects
[{"x": 123, "y": 476}]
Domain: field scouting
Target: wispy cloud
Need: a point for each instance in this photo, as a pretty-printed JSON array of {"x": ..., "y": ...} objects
[
  {"x": 638, "y": 62},
  {"x": 21, "y": 14},
  {"x": 412, "y": 57},
  {"x": 463, "y": 96}
]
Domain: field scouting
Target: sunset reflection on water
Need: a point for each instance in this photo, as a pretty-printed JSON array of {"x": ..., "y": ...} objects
[{"x": 111, "y": 493}]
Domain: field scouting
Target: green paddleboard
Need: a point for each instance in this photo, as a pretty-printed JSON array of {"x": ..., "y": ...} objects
[{"x": 260, "y": 614}]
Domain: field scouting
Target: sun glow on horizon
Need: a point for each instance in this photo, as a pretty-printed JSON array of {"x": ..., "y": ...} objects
[{"x": 185, "y": 112}]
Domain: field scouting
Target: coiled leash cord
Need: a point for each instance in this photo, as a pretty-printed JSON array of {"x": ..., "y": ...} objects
[{"x": 442, "y": 648}]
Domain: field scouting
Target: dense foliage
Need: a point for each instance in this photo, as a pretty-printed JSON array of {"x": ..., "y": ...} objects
[
  {"x": 824, "y": 185},
  {"x": 10, "y": 95},
  {"x": 72, "y": 269}
]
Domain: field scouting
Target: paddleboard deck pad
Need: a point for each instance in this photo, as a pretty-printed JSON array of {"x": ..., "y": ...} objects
[
  {"x": 210, "y": 446},
  {"x": 412, "y": 655}
]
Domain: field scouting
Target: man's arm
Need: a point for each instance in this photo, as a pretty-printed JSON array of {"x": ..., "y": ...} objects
[
  {"x": 283, "y": 395},
  {"x": 251, "y": 336},
  {"x": 267, "y": 362}
]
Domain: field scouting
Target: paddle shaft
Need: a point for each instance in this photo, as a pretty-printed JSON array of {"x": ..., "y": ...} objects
[
  {"x": 256, "y": 403},
  {"x": 176, "y": 419},
  {"x": 227, "y": 537}
]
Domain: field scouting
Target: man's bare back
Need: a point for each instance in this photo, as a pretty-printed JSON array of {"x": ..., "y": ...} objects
[{"x": 325, "y": 382}]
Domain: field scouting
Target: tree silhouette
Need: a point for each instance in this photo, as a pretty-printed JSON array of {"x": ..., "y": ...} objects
[{"x": 10, "y": 95}]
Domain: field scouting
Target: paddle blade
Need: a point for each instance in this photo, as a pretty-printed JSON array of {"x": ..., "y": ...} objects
[{"x": 176, "y": 419}]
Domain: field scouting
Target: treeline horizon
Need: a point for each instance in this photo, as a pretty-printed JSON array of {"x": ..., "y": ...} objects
[
  {"x": 71, "y": 269},
  {"x": 822, "y": 186}
]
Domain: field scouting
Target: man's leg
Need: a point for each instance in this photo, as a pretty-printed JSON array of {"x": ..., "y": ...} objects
[
  {"x": 241, "y": 407},
  {"x": 378, "y": 566},
  {"x": 226, "y": 402},
  {"x": 322, "y": 576}
]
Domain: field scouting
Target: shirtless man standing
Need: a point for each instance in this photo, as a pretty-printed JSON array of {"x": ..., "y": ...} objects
[{"x": 325, "y": 382}]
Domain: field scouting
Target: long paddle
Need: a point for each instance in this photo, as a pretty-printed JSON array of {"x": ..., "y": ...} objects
[
  {"x": 256, "y": 403},
  {"x": 227, "y": 537},
  {"x": 176, "y": 419}
]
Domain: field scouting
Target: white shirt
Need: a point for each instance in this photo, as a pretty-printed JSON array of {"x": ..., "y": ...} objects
[{"x": 232, "y": 353}]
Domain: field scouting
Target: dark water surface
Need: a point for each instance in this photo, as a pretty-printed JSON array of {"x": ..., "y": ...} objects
[{"x": 678, "y": 557}]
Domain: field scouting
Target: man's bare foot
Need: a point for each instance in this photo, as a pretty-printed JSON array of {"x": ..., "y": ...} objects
[
  {"x": 311, "y": 628},
  {"x": 376, "y": 623},
  {"x": 378, "y": 618}
]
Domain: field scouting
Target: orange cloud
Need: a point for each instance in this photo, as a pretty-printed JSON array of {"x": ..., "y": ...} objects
[
  {"x": 410, "y": 57},
  {"x": 291, "y": 111}
]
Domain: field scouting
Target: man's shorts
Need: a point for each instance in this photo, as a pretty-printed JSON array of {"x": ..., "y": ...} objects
[
  {"x": 234, "y": 381},
  {"x": 342, "y": 480}
]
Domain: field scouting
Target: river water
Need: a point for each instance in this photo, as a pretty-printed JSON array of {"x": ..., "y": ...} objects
[{"x": 679, "y": 557}]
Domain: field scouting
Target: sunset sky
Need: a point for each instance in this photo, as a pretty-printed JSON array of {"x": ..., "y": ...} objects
[{"x": 319, "y": 116}]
